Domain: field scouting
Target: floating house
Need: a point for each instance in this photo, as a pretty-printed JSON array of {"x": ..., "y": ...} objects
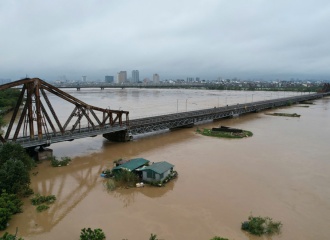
[
  {"x": 131, "y": 165},
  {"x": 156, "y": 172}
]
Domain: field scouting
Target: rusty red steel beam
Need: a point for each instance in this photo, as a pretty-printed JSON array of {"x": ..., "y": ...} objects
[
  {"x": 30, "y": 108},
  {"x": 72, "y": 99},
  {"x": 48, "y": 118},
  {"x": 20, "y": 121},
  {"x": 13, "y": 117},
  {"x": 52, "y": 111},
  {"x": 35, "y": 111}
]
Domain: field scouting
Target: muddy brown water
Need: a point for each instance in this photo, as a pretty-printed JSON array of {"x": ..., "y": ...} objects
[{"x": 281, "y": 172}]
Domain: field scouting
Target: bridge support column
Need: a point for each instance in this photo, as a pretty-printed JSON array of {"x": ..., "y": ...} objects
[
  {"x": 120, "y": 136},
  {"x": 190, "y": 125},
  {"x": 43, "y": 153}
]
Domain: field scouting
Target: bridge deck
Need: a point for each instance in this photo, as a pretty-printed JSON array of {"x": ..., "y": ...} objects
[{"x": 169, "y": 121}]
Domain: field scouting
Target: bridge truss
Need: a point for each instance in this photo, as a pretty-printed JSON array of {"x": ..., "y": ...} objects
[{"x": 38, "y": 123}]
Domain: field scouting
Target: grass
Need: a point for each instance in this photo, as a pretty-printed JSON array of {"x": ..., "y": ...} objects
[{"x": 219, "y": 134}]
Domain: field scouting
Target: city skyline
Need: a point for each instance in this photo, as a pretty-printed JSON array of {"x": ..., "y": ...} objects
[{"x": 176, "y": 39}]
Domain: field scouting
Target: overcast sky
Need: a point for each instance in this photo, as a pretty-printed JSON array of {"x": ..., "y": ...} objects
[{"x": 248, "y": 39}]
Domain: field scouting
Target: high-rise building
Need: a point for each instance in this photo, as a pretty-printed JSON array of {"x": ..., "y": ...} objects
[
  {"x": 122, "y": 77},
  {"x": 155, "y": 78},
  {"x": 108, "y": 79},
  {"x": 190, "y": 79},
  {"x": 84, "y": 78},
  {"x": 135, "y": 76}
]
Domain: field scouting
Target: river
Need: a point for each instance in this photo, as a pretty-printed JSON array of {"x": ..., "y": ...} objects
[{"x": 281, "y": 172}]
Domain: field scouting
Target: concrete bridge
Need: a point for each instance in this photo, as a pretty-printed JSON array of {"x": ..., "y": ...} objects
[
  {"x": 40, "y": 126},
  {"x": 186, "y": 119}
]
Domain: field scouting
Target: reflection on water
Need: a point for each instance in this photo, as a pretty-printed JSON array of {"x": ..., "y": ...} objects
[{"x": 281, "y": 172}]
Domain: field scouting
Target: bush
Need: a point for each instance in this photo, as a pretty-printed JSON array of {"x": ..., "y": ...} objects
[
  {"x": 8, "y": 236},
  {"x": 10, "y": 151},
  {"x": 42, "y": 202},
  {"x": 58, "y": 163},
  {"x": 126, "y": 177},
  {"x": 153, "y": 237},
  {"x": 261, "y": 225},
  {"x": 218, "y": 238},
  {"x": 39, "y": 199},
  {"x": 89, "y": 234},
  {"x": 15, "y": 177},
  {"x": 42, "y": 207},
  {"x": 10, "y": 204},
  {"x": 110, "y": 185}
]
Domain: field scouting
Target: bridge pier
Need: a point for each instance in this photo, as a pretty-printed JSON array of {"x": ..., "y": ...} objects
[
  {"x": 190, "y": 125},
  {"x": 120, "y": 136},
  {"x": 40, "y": 153}
]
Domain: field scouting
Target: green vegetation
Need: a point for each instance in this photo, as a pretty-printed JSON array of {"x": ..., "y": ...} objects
[
  {"x": 15, "y": 164},
  {"x": 126, "y": 178},
  {"x": 110, "y": 184},
  {"x": 10, "y": 204},
  {"x": 153, "y": 237},
  {"x": 261, "y": 225},
  {"x": 283, "y": 114},
  {"x": 8, "y": 99},
  {"x": 89, "y": 234},
  {"x": 42, "y": 202},
  {"x": 220, "y": 134},
  {"x": 15, "y": 180},
  {"x": 39, "y": 199},
  {"x": 42, "y": 208},
  {"x": 8, "y": 236},
  {"x": 218, "y": 238},
  {"x": 59, "y": 163},
  {"x": 12, "y": 151}
]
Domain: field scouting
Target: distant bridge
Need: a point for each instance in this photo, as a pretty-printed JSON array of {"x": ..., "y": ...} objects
[
  {"x": 39, "y": 114},
  {"x": 176, "y": 120},
  {"x": 103, "y": 85}
]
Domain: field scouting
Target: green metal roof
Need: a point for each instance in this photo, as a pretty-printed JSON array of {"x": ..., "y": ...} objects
[
  {"x": 159, "y": 167},
  {"x": 132, "y": 164}
]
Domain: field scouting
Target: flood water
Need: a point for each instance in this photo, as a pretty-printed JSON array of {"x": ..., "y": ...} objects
[{"x": 281, "y": 172}]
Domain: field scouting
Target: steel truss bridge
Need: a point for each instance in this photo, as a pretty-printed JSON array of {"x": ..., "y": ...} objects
[{"x": 38, "y": 124}]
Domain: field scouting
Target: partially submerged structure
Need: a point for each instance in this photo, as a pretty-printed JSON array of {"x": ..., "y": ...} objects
[
  {"x": 140, "y": 171},
  {"x": 131, "y": 165},
  {"x": 158, "y": 171}
]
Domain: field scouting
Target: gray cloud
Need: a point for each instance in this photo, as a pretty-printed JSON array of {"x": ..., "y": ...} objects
[{"x": 177, "y": 39}]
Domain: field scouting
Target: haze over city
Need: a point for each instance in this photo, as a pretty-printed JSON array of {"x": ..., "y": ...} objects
[{"x": 176, "y": 39}]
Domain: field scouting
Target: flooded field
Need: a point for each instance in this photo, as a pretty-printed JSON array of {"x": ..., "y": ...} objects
[{"x": 281, "y": 172}]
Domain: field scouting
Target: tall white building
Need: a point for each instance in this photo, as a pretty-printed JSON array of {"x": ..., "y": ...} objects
[
  {"x": 122, "y": 77},
  {"x": 155, "y": 78},
  {"x": 135, "y": 76}
]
